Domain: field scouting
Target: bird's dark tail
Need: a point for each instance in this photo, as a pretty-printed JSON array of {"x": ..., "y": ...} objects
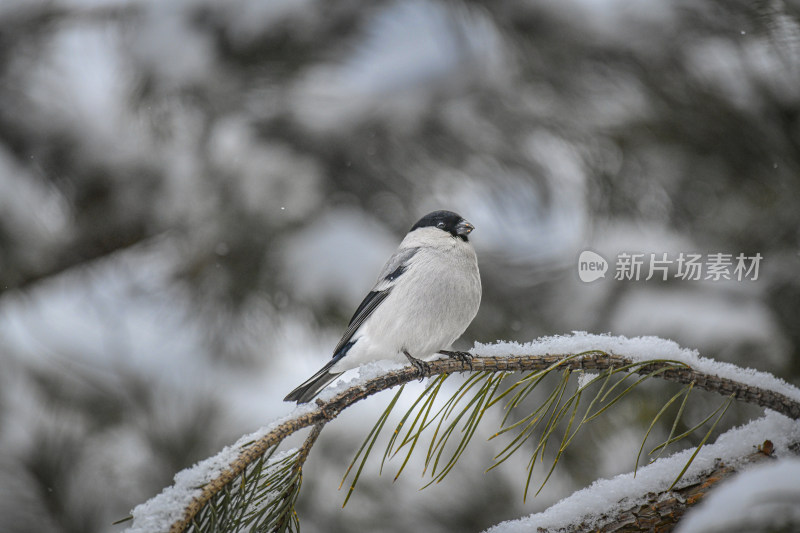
[{"x": 311, "y": 387}]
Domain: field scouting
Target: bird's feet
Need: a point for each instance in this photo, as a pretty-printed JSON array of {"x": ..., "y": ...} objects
[
  {"x": 464, "y": 357},
  {"x": 423, "y": 367}
]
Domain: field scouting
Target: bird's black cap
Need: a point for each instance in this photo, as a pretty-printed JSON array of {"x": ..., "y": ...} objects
[{"x": 453, "y": 223}]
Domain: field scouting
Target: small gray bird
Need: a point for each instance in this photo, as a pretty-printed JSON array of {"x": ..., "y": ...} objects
[{"x": 425, "y": 297}]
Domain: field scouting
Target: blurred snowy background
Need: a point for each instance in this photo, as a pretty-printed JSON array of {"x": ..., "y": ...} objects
[{"x": 195, "y": 195}]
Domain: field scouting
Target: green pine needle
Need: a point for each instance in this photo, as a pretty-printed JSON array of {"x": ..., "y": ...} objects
[
  {"x": 561, "y": 414},
  {"x": 723, "y": 408}
]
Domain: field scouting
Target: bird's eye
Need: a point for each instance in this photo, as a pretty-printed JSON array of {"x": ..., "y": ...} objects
[{"x": 440, "y": 225}]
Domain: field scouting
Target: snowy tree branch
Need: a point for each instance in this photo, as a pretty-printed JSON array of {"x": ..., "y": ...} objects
[
  {"x": 591, "y": 361},
  {"x": 663, "y": 510}
]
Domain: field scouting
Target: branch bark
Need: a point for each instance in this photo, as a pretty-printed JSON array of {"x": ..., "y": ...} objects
[{"x": 598, "y": 360}]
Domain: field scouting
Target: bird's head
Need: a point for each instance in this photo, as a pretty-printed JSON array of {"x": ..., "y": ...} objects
[{"x": 452, "y": 223}]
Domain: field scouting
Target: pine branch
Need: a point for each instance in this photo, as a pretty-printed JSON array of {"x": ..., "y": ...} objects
[
  {"x": 664, "y": 510},
  {"x": 592, "y": 361}
]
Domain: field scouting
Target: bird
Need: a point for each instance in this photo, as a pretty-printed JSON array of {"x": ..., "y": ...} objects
[{"x": 426, "y": 295}]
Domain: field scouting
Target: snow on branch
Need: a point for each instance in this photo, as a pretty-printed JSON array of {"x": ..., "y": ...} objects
[
  {"x": 607, "y": 502},
  {"x": 784, "y": 397},
  {"x": 176, "y": 508}
]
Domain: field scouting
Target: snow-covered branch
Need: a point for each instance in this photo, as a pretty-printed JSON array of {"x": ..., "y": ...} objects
[
  {"x": 176, "y": 508},
  {"x": 637, "y": 502}
]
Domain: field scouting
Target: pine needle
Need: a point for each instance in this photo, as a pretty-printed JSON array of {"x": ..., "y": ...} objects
[
  {"x": 683, "y": 392},
  {"x": 724, "y": 408},
  {"x": 368, "y": 443}
]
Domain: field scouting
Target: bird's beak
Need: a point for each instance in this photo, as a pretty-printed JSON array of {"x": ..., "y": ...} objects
[{"x": 464, "y": 228}]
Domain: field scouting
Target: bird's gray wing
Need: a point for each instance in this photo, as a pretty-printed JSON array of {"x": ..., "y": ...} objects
[
  {"x": 393, "y": 269},
  {"x": 396, "y": 265}
]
